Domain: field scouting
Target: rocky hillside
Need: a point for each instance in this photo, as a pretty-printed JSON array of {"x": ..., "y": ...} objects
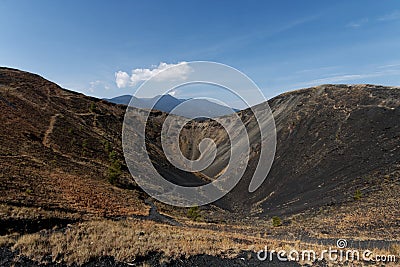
[
  {"x": 56, "y": 147},
  {"x": 62, "y": 150},
  {"x": 332, "y": 141}
]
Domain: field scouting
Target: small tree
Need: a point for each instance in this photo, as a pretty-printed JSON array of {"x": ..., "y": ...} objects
[
  {"x": 114, "y": 172},
  {"x": 276, "y": 221},
  {"x": 115, "y": 168},
  {"x": 84, "y": 147}
]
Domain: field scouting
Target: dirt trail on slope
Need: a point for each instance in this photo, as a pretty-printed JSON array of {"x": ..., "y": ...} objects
[{"x": 49, "y": 131}]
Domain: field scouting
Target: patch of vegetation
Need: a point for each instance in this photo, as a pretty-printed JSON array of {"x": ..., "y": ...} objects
[
  {"x": 84, "y": 144},
  {"x": 84, "y": 147},
  {"x": 194, "y": 213},
  {"x": 107, "y": 146},
  {"x": 276, "y": 221},
  {"x": 72, "y": 142},
  {"x": 29, "y": 191},
  {"x": 92, "y": 107},
  {"x": 115, "y": 168},
  {"x": 112, "y": 156},
  {"x": 125, "y": 240},
  {"x": 357, "y": 194}
]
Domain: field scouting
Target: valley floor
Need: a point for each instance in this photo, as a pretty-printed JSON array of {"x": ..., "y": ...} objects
[{"x": 36, "y": 237}]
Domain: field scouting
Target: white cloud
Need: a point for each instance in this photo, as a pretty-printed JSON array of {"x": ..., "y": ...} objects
[
  {"x": 163, "y": 71},
  {"x": 122, "y": 79}
]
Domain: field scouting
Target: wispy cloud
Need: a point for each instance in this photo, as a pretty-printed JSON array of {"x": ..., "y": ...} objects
[
  {"x": 395, "y": 65},
  {"x": 351, "y": 77},
  {"x": 255, "y": 35},
  {"x": 339, "y": 78},
  {"x": 95, "y": 85},
  {"x": 358, "y": 23},
  {"x": 163, "y": 71},
  {"x": 318, "y": 69},
  {"x": 395, "y": 15}
]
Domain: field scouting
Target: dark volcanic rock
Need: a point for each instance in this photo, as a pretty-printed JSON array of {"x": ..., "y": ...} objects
[
  {"x": 9, "y": 258},
  {"x": 331, "y": 140}
]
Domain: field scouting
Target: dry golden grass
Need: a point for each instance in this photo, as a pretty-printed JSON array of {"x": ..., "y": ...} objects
[
  {"x": 8, "y": 240},
  {"x": 395, "y": 249},
  {"x": 14, "y": 212},
  {"x": 126, "y": 240}
]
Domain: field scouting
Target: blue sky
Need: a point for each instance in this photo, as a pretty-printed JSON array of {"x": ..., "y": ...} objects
[{"x": 281, "y": 45}]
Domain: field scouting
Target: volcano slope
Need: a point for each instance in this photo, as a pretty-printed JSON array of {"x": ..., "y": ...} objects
[
  {"x": 55, "y": 147},
  {"x": 337, "y": 159},
  {"x": 332, "y": 141}
]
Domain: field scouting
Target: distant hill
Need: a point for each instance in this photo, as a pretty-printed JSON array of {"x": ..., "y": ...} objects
[
  {"x": 167, "y": 103},
  {"x": 122, "y": 99}
]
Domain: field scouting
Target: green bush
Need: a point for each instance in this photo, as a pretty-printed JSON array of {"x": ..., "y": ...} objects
[
  {"x": 112, "y": 156},
  {"x": 357, "y": 194},
  {"x": 107, "y": 146},
  {"x": 115, "y": 168},
  {"x": 84, "y": 147},
  {"x": 84, "y": 143},
  {"x": 276, "y": 221},
  {"x": 194, "y": 213},
  {"x": 92, "y": 107},
  {"x": 114, "y": 172}
]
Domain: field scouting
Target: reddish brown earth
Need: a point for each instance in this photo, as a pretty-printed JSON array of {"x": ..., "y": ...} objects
[{"x": 53, "y": 149}]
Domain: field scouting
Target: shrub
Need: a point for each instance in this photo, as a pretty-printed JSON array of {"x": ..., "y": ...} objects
[
  {"x": 114, "y": 172},
  {"x": 92, "y": 107},
  {"x": 276, "y": 221},
  {"x": 112, "y": 156},
  {"x": 84, "y": 143},
  {"x": 84, "y": 147},
  {"x": 107, "y": 146},
  {"x": 115, "y": 168},
  {"x": 357, "y": 194},
  {"x": 194, "y": 213}
]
